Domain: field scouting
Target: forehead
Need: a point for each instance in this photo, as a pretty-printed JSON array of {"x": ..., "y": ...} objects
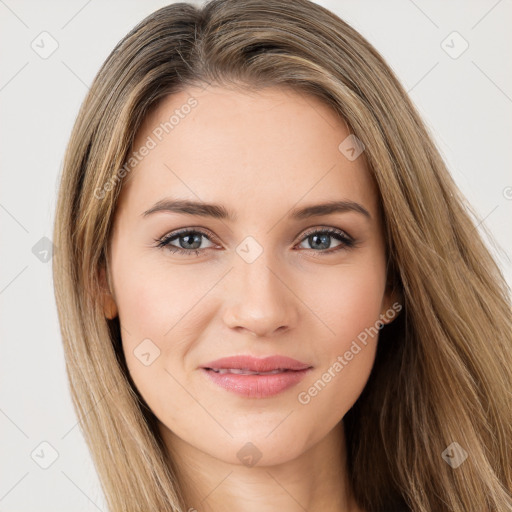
[{"x": 251, "y": 150}]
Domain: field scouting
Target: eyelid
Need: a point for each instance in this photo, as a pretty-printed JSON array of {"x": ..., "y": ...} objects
[
  {"x": 328, "y": 229},
  {"x": 193, "y": 229}
]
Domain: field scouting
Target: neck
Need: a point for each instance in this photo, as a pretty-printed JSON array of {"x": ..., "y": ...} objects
[{"x": 317, "y": 480}]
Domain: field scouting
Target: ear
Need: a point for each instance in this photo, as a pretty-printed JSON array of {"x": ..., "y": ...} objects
[
  {"x": 109, "y": 304},
  {"x": 392, "y": 303}
]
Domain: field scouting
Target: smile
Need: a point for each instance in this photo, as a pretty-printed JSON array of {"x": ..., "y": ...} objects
[{"x": 251, "y": 384}]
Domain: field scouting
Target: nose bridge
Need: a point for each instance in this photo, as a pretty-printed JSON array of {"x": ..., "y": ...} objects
[{"x": 259, "y": 299}]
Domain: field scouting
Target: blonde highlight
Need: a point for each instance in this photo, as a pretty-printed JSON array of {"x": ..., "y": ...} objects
[{"x": 443, "y": 367}]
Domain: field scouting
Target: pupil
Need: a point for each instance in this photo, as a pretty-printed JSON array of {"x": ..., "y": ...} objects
[
  {"x": 197, "y": 238},
  {"x": 325, "y": 240}
]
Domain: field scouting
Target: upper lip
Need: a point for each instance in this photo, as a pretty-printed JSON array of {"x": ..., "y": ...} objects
[{"x": 265, "y": 364}]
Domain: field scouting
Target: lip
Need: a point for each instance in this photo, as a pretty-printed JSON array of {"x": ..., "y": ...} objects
[
  {"x": 255, "y": 364},
  {"x": 256, "y": 386}
]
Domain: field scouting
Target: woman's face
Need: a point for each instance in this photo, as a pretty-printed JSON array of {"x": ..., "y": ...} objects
[{"x": 261, "y": 281}]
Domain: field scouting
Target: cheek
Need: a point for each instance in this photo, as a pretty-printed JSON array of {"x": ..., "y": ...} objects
[
  {"x": 349, "y": 308},
  {"x": 346, "y": 302},
  {"x": 160, "y": 319},
  {"x": 154, "y": 301}
]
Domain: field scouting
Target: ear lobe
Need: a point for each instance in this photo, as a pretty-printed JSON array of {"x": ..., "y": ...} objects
[{"x": 108, "y": 302}]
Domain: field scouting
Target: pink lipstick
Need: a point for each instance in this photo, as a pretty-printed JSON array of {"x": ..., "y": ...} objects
[{"x": 256, "y": 377}]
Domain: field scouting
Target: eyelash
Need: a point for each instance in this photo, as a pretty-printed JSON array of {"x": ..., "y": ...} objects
[{"x": 346, "y": 241}]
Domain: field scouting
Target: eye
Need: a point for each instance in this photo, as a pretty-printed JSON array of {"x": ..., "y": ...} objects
[
  {"x": 320, "y": 239},
  {"x": 190, "y": 241}
]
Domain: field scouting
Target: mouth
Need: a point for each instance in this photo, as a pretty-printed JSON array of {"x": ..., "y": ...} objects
[
  {"x": 255, "y": 377},
  {"x": 246, "y": 371},
  {"x": 248, "y": 363}
]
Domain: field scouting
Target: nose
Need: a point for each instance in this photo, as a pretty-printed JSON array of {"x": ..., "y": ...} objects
[{"x": 261, "y": 301}]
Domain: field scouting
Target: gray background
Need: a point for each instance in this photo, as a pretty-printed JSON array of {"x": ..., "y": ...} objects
[{"x": 465, "y": 101}]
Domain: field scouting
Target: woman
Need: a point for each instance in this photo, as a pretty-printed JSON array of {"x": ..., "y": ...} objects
[{"x": 221, "y": 354}]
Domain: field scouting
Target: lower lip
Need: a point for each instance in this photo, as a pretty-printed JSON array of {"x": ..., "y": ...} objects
[{"x": 257, "y": 386}]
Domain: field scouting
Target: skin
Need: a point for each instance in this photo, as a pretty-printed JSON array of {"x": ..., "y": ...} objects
[{"x": 261, "y": 155}]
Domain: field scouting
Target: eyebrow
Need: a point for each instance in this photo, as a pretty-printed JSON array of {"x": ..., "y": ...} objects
[{"x": 218, "y": 211}]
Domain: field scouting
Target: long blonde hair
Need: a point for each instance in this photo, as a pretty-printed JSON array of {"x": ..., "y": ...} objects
[{"x": 443, "y": 368}]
